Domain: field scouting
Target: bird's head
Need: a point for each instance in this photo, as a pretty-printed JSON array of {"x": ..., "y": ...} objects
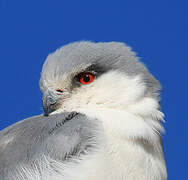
[{"x": 83, "y": 76}]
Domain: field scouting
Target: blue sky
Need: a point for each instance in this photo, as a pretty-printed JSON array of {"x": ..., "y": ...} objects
[{"x": 156, "y": 30}]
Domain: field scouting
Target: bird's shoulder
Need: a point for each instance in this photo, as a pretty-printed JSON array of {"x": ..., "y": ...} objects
[{"x": 59, "y": 137}]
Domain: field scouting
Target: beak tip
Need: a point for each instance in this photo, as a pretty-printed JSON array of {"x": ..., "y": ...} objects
[
  {"x": 50, "y": 102},
  {"x": 47, "y": 110},
  {"x": 45, "y": 114}
]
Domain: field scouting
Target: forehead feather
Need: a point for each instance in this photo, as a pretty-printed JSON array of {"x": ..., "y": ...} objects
[{"x": 112, "y": 55}]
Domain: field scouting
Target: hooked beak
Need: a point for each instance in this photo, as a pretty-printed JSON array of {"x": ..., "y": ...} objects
[{"x": 51, "y": 101}]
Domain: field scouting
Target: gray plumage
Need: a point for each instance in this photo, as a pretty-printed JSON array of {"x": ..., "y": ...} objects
[{"x": 57, "y": 137}]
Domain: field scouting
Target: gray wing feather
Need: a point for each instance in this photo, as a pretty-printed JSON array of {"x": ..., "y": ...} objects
[{"x": 59, "y": 137}]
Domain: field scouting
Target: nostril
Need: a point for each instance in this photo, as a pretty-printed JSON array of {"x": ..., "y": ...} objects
[{"x": 59, "y": 90}]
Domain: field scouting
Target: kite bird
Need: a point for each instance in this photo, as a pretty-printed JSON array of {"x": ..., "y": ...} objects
[{"x": 101, "y": 120}]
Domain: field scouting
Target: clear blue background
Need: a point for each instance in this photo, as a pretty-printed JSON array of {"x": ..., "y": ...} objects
[{"x": 156, "y": 30}]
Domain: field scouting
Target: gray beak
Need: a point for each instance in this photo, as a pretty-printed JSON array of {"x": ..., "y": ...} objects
[{"x": 51, "y": 101}]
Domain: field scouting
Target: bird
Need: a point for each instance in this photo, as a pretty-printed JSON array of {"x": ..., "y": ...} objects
[{"x": 102, "y": 119}]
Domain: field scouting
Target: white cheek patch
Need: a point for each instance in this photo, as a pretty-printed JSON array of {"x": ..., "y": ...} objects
[
  {"x": 115, "y": 87},
  {"x": 111, "y": 90}
]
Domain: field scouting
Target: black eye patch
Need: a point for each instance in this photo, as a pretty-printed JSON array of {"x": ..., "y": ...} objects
[{"x": 94, "y": 69}]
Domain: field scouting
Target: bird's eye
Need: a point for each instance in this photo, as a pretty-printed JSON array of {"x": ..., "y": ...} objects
[
  {"x": 86, "y": 78},
  {"x": 59, "y": 90}
]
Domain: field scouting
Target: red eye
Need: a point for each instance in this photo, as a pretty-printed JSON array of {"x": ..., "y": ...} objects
[
  {"x": 86, "y": 78},
  {"x": 59, "y": 90}
]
